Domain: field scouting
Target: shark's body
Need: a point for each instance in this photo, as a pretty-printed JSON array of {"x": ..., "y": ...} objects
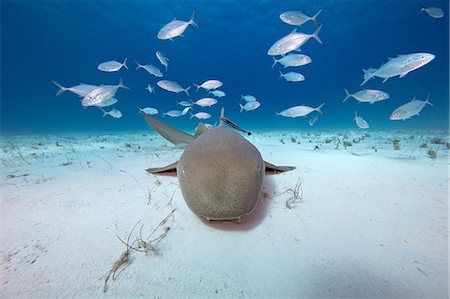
[{"x": 220, "y": 173}]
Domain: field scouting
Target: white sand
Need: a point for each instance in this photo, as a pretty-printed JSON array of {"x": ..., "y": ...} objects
[{"x": 371, "y": 223}]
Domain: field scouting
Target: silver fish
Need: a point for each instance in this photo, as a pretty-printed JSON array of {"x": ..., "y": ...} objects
[
  {"x": 151, "y": 69},
  {"x": 313, "y": 120},
  {"x": 360, "y": 122},
  {"x": 209, "y": 84},
  {"x": 217, "y": 93},
  {"x": 434, "y": 12},
  {"x": 292, "y": 60},
  {"x": 205, "y": 102},
  {"x": 409, "y": 109},
  {"x": 176, "y": 28},
  {"x": 248, "y": 98},
  {"x": 149, "y": 110},
  {"x": 162, "y": 59},
  {"x": 292, "y": 77},
  {"x": 297, "y": 111},
  {"x": 150, "y": 88},
  {"x": 172, "y": 86},
  {"x": 297, "y": 18},
  {"x": 249, "y": 106},
  {"x": 101, "y": 93},
  {"x": 292, "y": 41},
  {"x": 201, "y": 115},
  {"x": 185, "y": 110},
  {"x": 107, "y": 103},
  {"x": 173, "y": 113},
  {"x": 114, "y": 113},
  {"x": 82, "y": 89},
  {"x": 399, "y": 66},
  {"x": 185, "y": 103},
  {"x": 112, "y": 66},
  {"x": 367, "y": 96}
]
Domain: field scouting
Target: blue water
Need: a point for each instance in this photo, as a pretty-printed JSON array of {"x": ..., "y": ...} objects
[{"x": 66, "y": 40}]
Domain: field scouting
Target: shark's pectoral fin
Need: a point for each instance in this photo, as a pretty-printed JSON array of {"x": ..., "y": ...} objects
[
  {"x": 274, "y": 169},
  {"x": 175, "y": 136},
  {"x": 169, "y": 170}
]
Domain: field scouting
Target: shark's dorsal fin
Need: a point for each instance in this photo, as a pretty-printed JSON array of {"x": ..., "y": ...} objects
[
  {"x": 173, "y": 135},
  {"x": 200, "y": 129}
]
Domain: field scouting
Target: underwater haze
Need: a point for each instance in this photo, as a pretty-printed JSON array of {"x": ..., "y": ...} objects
[{"x": 65, "y": 41}]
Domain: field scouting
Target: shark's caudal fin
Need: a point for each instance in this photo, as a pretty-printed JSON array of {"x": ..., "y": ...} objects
[
  {"x": 61, "y": 90},
  {"x": 177, "y": 137}
]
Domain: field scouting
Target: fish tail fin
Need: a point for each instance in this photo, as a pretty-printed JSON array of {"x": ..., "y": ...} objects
[
  {"x": 192, "y": 22},
  {"x": 281, "y": 75},
  {"x": 427, "y": 100},
  {"x": 347, "y": 95},
  {"x": 104, "y": 112},
  {"x": 61, "y": 90},
  {"x": 318, "y": 108},
  {"x": 316, "y": 34},
  {"x": 138, "y": 65},
  {"x": 367, "y": 76},
  {"x": 198, "y": 86},
  {"x": 164, "y": 114},
  {"x": 121, "y": 85},
  {"x": 314, "y": 18},
  {"x": 274, "y": 62},
  {"x": 420, "y": 10},
  {"x": 276, "y": 113},
  {"x": 242, "y": 96},
  {"x": 192, "y": 115},
  {"x": 356, "y": 114},
  {"x": 125, "y": 63},
  {"x": 187, "y": 90},
  {"x": 242, "y": 107}
]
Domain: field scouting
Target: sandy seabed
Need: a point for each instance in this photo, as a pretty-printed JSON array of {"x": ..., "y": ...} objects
[{"x": 372, "y": 221}]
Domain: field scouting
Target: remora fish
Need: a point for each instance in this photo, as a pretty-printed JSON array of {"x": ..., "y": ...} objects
[
  {"x": 292, "y": 41},
  {"x": 297, "y": 111},
  {"x": 409, "y": 109},
  {"x": 176, "y": 28},
  {"x": 360, "y": 122},
  {"x": 297, "y": 18},
  {"x": 220, "y": 173},
  {"x": 367, "y": 96},
  {"x": 399, "y": 66}
]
